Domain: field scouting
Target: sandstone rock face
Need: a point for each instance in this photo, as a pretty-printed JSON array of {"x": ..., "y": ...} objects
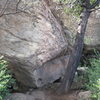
[{"x": 30, "y": 36}]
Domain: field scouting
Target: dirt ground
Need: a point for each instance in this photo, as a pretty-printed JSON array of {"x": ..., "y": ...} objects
[{"x": 72, "y": 95}]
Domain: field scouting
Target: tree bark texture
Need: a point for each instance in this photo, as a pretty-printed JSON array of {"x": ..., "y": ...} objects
[{"x": 76, "y": 53}]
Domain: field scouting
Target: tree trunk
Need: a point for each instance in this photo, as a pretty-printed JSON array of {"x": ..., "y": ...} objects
[{"x": 76, "y": 53}]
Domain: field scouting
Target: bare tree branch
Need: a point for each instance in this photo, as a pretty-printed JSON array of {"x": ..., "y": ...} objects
[
  {"x": 3, "y": 10},
  {"x": 94, "y": 9},
  {"x": 94, "y": 4},
  {"x": 17, "y": 5},
  {"x": 10, "y": 13},
  {"x": 17, "y": 10}
]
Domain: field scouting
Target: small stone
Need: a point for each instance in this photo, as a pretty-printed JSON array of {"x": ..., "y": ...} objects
[{"x": 84, "y": 95}]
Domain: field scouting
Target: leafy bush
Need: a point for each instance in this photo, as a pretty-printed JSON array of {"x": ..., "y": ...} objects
[
  {"x": 75, "y": 6},
  {"x": 6, "y": 79},
  {"x": 94, "y": 77}
]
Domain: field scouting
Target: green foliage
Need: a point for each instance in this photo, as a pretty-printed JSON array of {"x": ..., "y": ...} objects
[
  {"x": 92, "y": 1},
  {"x": 94, "y": 77},
  {"x": 74, "y": 6},
  {"x": 6, "y": 79}
]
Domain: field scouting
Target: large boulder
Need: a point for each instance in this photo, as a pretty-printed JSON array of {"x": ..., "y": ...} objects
[
  {"x": 30, "y": 36},
  {"x": 92, "y": 37}
]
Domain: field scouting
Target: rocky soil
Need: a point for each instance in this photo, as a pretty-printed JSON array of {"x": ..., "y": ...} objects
[{"x": 49, "y": 95}]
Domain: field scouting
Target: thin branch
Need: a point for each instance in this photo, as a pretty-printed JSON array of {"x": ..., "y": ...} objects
[
  {"x": 94, "y": 4},
  {"x": 3, "y": 10},
  {"x": 10, "y": 13},
  {"x": 94, "y": 9},
  {"x": 17, "y": 5}
]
